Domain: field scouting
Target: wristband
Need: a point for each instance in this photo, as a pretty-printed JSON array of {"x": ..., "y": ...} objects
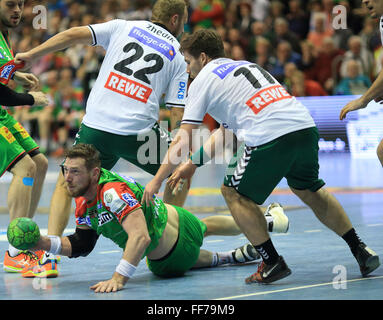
[
  {"x": 200, "y": 157},
  {"x": 55, "y": 244},
  {"x": 125, "y": 268}
]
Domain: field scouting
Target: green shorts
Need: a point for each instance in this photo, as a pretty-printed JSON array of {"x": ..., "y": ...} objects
[
  {"x": 145, "y": 151},
  {"x": 186, "y": 251},
  {"x": 14, "y": 142},
  {"x": 255, "y": 171}
]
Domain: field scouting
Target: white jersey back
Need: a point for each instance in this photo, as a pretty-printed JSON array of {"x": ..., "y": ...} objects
[
  {"x": 141, "y": 64},
  {"x": 245, "y": 99}
]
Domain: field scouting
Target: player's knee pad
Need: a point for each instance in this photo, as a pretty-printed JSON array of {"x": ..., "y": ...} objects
[{"x": 82, "y": 242}]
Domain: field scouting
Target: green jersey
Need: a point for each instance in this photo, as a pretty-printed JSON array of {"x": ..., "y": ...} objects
[
  {"x": 117, "y": 196},
  {"x": 7, "y": 64}
]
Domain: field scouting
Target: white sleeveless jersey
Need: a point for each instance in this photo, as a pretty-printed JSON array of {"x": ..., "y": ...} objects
[
  {"x": 245, "y": 99},
  {"x": 141, "y": 64}
]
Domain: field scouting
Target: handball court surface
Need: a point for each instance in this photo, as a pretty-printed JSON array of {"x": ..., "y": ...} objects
[{"x": 322, "y": 265}]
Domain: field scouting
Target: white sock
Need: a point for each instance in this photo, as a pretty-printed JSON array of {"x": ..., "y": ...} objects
[
  {"x": 13, "y": 252},
  {"x": 225, "y": 257}
]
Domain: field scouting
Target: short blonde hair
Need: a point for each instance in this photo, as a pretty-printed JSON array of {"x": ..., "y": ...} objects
[{"x": 163, "y": 10}]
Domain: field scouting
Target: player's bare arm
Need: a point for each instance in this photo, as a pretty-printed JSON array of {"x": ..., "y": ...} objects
[
  {"x": 45, "y": 243},
  {"x": 374, "y": 92},
  {"x": 135, "y": 226},
  {"x": 208, "y": 151},
  {"x": 61, "y": 41},
  {"x": 177, "y": 152},
  {"x": 176, "y": 115}
]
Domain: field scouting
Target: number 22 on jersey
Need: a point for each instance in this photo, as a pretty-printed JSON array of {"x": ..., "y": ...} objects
[{"x": 129, "y": 87}]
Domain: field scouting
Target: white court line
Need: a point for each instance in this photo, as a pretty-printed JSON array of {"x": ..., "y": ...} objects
[
  {"x": 296, "y": 288},
  {"x": 311, "y": 231},
  {"x": 110, "y": 251},
  {"x": 375, "y": 225}
]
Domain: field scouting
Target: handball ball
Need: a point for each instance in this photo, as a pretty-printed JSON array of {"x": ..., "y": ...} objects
[{"x": 23, "y": 233}]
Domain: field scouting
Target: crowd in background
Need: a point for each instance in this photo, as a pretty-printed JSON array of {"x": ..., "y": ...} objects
[{"x": 299, "y": 42}]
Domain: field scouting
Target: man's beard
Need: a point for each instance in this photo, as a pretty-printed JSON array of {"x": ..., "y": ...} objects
[
  {"x": 7, "y": 23},
  {"x": 80, "y": 192}
]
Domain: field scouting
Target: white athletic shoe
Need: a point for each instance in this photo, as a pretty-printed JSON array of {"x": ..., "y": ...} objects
[
  {"x": 246, "y": 254},
  {"x": 277, "y": 220}
]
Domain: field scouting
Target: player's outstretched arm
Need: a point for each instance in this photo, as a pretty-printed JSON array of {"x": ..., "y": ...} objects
[
  {"x": 61, "y": 41},
  {"x": 80, "y": 243},
  {"x": 11, "y": 98},
  {"x": 178, "y": 152},
  {"x": 138, "y": 240},
  {"x": 59, "y": 245},
  {"x": 375, "y": 92}
]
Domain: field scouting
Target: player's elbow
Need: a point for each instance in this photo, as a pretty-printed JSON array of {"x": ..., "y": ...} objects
[
  {"x": 144, "y": 240},
  {"x": 140, "y": 240}
]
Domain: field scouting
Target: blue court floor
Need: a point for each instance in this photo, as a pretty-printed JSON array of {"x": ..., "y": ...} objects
[{"x": 322, "y": 265}]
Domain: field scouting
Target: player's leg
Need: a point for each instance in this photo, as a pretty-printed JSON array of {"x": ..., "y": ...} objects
[
  {"x": 331, "y": 213},
  {"x": 326, "y": 208},
  {"x": 379, "y": 152},
  {"x": 276, "y": 221},
  {"x": 40, "y": 161},
  {"x": 60, "y": 208},
  {"x": 14, "y": 159},
  {"x": 251, "y": 176},
  {"x": 221, "y": 225},
  {"x": 303, "y": 181},
  {"x": 41, "y": 169},
  {"x": 20, "y": 189}
]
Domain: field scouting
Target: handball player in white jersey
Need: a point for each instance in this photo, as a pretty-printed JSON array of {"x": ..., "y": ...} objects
[
  {"x": 280, "y": 141},
  {"x": 142, "y": 63},
  {"x": 375, "y": 92}
]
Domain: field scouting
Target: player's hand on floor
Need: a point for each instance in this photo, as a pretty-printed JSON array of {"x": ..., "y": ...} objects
[{"x": 115, "y": 284}]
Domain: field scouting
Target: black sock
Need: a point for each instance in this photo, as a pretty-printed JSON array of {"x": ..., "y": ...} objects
[
  {"x": 267, "y": 252},
  {"x": 352, "y": 239}
]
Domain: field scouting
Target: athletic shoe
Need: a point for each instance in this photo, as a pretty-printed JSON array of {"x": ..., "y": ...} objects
[
  {"x": 280, "y": 222},
  {"x": 46, "y": 267},
  {"x": 246, "y": 254},
  {"x": 270, "y": 273},
  {"x": 40, "y": 253},
  {"x": 17, "y": 263},
  {"x": 367, "y": 259}
]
